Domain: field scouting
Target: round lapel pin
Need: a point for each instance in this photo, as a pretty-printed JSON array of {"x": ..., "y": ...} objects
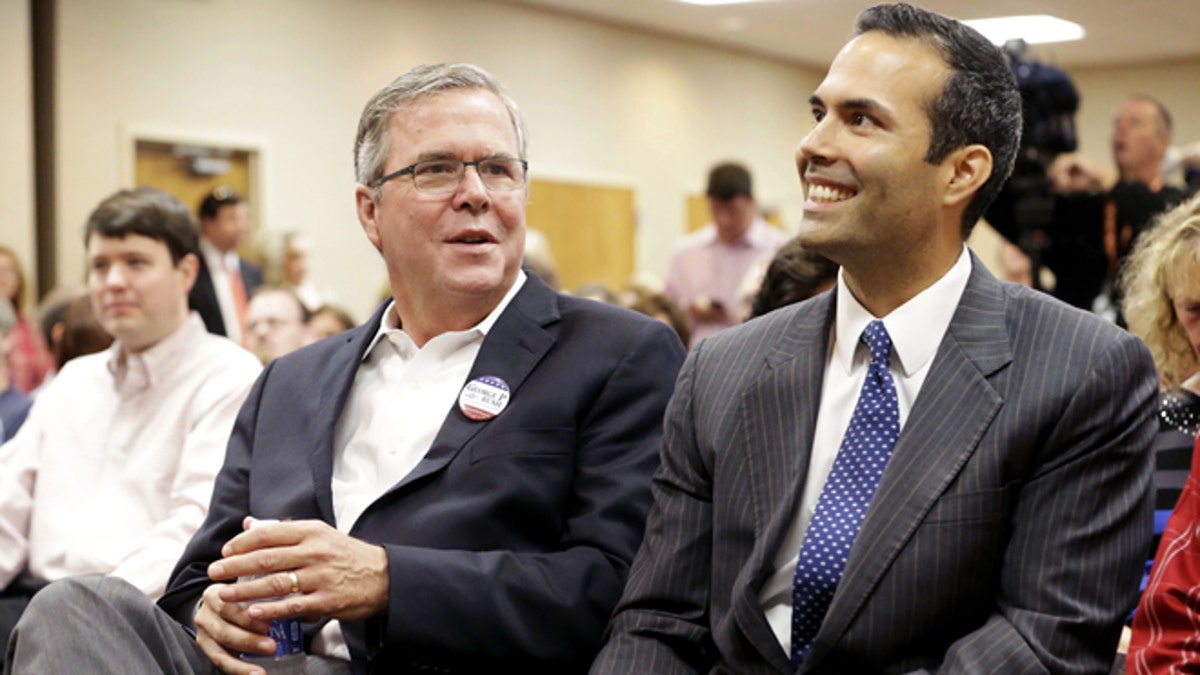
[{"x": 483, "y": 398}]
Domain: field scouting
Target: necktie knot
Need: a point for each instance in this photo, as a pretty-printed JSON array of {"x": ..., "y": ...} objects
[{"x": 877, "y": 340}]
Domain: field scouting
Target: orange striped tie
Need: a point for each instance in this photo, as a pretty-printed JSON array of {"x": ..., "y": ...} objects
[{"x": 239, "y": 298}]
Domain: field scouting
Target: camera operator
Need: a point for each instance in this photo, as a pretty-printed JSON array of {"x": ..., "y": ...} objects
[
  {"x": 1060, "y": 230},
  {"x": 1077, "y": 220}
]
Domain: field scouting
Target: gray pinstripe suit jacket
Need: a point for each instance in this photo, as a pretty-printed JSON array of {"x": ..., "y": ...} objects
[{"x": 1007, "y": 534}]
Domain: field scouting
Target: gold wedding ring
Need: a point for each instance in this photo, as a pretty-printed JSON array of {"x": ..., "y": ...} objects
[{"x": 295, "y": 581}]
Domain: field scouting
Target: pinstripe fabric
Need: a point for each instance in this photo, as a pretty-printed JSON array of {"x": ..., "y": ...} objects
[{"x": 1006, "y": 535}]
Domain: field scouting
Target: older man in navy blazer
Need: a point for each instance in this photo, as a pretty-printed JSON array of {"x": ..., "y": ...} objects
[
  {"x": 460, "y": 484},
  {"x": 988, "y": 509}
]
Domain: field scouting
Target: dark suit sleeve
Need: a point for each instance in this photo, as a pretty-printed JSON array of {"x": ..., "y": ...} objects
[
  {"x": 1080, "y": 531},
  {"x": 661, "y": 624},
  {"x": 549, "y": 607}
]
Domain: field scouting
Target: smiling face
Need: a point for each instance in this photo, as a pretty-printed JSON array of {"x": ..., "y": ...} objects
[
  {"x": 450, "y": 257},
  {"x": 138, "y": 294},
  {"x": 871, "y": 198}
]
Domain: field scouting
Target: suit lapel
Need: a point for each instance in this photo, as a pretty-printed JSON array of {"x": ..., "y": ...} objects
[
  {"x": 956, "y": 405},
  {"x": 341, "y": 369},
  {"x": 780, "y": 410},
  {"x": 515, "y": 344}
]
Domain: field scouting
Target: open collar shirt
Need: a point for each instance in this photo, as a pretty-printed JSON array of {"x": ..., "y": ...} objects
[
  {"x": 113, "y": 469},
  {"x": 396, "y": 407}
]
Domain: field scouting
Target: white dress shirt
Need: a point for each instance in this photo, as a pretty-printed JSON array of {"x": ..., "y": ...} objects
[
  {"x": 113, "y": 470},
  {"x": 396, "y": 407},
  {"x": 916, "y": 329}
]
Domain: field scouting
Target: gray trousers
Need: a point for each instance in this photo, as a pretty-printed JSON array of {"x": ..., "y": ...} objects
[{"x": 104, "y": 625}]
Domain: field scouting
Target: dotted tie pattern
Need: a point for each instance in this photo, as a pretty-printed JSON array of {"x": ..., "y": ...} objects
[{"x": 860, "y": 461}]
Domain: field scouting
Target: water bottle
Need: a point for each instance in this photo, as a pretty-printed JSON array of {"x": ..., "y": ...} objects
[{"x": 287, "y": 634}]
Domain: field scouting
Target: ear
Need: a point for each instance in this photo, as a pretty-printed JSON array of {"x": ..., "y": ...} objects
[
  {"x": 368, "y": 215},
  {"x": 965, "y": 170},
  {"x": 189, "y": 266}
]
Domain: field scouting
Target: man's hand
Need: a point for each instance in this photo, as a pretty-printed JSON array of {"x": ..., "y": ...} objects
[
  {"x": 335, "y": 575},
  {"x": 1070, "y": 172}
]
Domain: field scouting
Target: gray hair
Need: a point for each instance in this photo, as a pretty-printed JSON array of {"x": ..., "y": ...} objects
[
  {"x": 371, "y": 143},
  {"x": 8, "y": 316}
]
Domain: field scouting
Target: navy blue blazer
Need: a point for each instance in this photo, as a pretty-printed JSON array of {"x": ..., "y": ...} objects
[
  {"x": 509, "y": 543},
  {"x": 203, "y": 296}
]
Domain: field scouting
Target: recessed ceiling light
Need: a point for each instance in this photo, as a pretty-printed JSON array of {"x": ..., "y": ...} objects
[{"x": 1033, "y": 29}]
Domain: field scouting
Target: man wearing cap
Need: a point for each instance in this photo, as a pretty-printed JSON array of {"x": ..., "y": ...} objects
[
  {"x": 461, "y": 482},
  {"x": 707, "y": 266}
]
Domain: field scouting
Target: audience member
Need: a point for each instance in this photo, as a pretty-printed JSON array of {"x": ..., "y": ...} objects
[
  {"x": 276, "y": 323},
  {"x": 329, "y": 320},
  {"x": 81, "y": 332},
  {"x": 30, "y": 361},
  {"x": 539, "y": 258},
  {"x": 113, "y": 469},
  {"x": 1006, "y": 533},
  {"x": 14, "y": 403},
  {"x": 1141, "y": 136},
  {"x": 597, "y": 291},
  {"x": 1161, "y": 281},
  {"x": 706, "y": 267},
  {"x": 289, "y": 261},
  {"x": 794, "y": 274},
  {"x": 224, "y": 281},
  {"x": 658, "y": 306},
  {"x": 488, "y": 442}
]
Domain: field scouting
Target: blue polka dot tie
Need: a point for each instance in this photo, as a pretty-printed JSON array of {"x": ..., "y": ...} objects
[{"x": 848, "y": 490}]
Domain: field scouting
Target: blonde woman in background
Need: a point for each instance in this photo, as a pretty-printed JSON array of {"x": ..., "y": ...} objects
[{"x": 1161, "y": 282}]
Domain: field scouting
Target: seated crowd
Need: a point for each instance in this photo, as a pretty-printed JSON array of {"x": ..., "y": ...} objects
[{"x": 765, "y": 465}]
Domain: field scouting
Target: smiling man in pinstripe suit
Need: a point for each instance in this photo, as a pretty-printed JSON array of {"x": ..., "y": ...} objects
[{"x": 1006, "y": 532}]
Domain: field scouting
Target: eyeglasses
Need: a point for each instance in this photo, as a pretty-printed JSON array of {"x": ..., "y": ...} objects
[{"x": 442, "y": 176}]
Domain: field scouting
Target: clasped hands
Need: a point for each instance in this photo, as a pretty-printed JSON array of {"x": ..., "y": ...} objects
[{"x": 310, "y": 569}]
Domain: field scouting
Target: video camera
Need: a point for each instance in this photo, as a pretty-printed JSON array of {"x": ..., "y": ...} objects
[{"x": 1063, "y": 232}]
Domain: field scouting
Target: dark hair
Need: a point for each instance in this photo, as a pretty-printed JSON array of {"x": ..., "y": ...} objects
[
  {"x": 795, "y": 274},
  {"x": 980, "y": 103},
  {"x": 729, "y": 180},
  {"x": 219, "y": 197},
  {"x": 341, "y": 315},
  {"x": 657, "y": 306},
  {"x": 82, "y": 332},
  {"x": 149, "y": 212}
]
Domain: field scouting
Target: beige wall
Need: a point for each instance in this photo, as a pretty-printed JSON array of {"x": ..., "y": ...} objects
[
  {"x": 16, "y": 135},
  {"x": 604, "y": 104},
  {"x": 1177, "y": 85}
]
